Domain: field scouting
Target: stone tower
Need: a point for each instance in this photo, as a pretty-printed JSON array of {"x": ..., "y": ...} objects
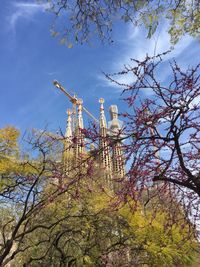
[
  {"x": 79, "y": 136},
  {"x": 104, "y": 147},
  {"x": 68, "y": 145},
  {"x": 115, "y": 132},
  {"x": 110, "y": 148}
]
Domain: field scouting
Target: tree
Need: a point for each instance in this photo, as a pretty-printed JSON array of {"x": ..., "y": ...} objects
[
  {"x": 33, "y": 180},
  {"x": 8, "y": 153},
  {"x": 94, "y": 233},
  {"x": 8, "y": 141},
  {"x": 163, "y": 131},
  {"x": 53, "y": 219},
  {"x": 76, "y": 21},
  {"x": 23, "y": 177}
]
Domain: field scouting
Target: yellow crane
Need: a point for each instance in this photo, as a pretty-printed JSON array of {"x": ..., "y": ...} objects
[{"x": 73, "y": 100}]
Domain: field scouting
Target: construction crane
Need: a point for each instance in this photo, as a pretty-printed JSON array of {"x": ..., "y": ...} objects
[{"x": 73, "y": 100}]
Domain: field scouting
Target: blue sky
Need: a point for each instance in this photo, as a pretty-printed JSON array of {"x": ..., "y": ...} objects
[{"x": 31, "y": 59}]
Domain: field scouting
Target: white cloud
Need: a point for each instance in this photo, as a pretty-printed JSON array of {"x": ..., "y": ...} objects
[
  {"x": 24, "y": 10},
  {"x": 136, "y": 45}
]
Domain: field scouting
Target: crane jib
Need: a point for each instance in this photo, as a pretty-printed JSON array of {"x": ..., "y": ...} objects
[{"x": 73, "y": 100}]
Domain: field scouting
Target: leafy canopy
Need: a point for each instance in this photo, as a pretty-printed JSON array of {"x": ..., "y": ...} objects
[{"x": 79, "y": 21}]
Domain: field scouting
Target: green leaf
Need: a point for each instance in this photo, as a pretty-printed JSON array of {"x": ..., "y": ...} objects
[
  {"x": 69, "y": 45},
  {"x": 63, "y": 40},
  {"x": 54, "y": 33}
]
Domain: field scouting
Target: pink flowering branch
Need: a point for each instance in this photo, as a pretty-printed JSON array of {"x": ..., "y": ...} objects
[{"x": 162, "y": 126}]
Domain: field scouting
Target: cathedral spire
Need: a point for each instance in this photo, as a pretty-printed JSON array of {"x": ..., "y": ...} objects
[
  {"x": 80, "y": 116},
  {"x": 68, "y": 146},
  {"x": 68, "y": 133},
  {"x": 115, "y": 126},
  {"x": 102, "y": 120},
  {"x": 103, "y": 143},
  {"x": 80, "y": 146}
]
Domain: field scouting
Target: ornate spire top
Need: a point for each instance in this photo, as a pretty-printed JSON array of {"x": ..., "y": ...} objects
[
  {"x": 113, "y": 112},
  {"x": 102, "y": 116},
  {"x": 101, "y": 101},
  {"x": 115, "y": 125},
  {"x": 69, "y": 113}
]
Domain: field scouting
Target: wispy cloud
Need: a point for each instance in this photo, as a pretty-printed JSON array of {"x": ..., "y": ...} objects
[
  {"x": 51, "y": 73},
  {"x": 24, "y": 10},
  {"x": 136, "y": 45}
]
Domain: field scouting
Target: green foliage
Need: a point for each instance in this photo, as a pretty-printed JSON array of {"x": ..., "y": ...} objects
[
  {"x": 162, "y": 245},
  {"x": 8, "y": 141},
  {"x": 8, "y": 153},
  {"x": 81, "y": 226},
  {"x": 78, "y": 21},
  {"x": 184, "y": 19},
  {"x": 91, "y": 233},
  {"x": 12, "y": 164}
]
